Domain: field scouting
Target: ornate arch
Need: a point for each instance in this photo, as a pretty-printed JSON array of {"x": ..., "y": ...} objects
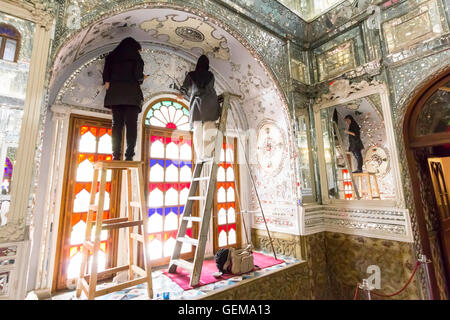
[{"x": 406, "y": 104}]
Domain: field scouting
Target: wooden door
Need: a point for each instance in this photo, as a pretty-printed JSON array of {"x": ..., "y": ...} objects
[{"x": 440, "y": 175}]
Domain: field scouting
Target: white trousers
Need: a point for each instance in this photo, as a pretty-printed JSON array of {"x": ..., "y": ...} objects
[{"x": 204, "y": 139}]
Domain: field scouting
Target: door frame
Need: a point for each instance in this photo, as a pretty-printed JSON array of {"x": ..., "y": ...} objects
[
  {"x": 412, "y": 142},
  {"x": 16, "y": 229}
]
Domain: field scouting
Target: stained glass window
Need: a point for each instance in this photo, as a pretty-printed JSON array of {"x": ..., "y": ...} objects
[
  {"x": 91, "y": 142},
  {"x": 168, "y": 152},
  {"x": 225, "y": 229},
  {"x": 9, "y": 42},
  {"x": 168, "y": 114}
]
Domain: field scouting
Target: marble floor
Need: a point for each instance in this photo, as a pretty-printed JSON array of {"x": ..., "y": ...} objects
[{"x": 164, "y": 287}]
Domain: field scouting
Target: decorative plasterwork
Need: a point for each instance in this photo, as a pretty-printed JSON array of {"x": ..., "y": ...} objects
[
  {"x": 386, "y": 223},
  {"x": 270, "y": 147},
  {"x": 342, "y": 91},
  {"x": 13, "y": 231},
  {"x": 284, "y": 244},
  {"x": 69, "y": 47},
  {"x": 32, "y": 10},
  {"x": 371, "y": 68},
  {"x": 189, "y": 33}
]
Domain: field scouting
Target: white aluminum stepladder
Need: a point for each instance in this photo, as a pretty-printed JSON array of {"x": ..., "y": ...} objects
[{"x": 195, "y": 267}]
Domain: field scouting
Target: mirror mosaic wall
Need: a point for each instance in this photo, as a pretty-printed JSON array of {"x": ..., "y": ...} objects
[
  {"x": 341, "y": 161},
  {"x": 16, "y": 41}
]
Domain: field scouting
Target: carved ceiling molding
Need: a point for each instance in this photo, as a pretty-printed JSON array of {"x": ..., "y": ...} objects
[
  {"x": 234, "y": 31},
  {"x": 342, "y": 91},
  {"x": 32, "y": 10}
]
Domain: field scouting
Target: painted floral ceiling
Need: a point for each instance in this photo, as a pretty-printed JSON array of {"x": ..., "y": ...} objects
[{"x": 172, "y": 42}]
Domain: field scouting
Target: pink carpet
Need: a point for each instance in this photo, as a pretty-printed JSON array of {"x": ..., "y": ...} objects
[{"x": 182, "y": 278}]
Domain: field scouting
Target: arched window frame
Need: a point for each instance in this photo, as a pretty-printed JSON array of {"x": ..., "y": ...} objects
[
  {"x": 17, "y": 37},
  {"x": 417, "y": 141},
  {"x": 172, "y": 121},
  {"x": 167, "y": 130},
  {"x": 148, "y": 130}
]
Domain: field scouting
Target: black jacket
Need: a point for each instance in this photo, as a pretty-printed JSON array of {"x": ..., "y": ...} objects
[
  {"x": 354, "y": 142},
  {"x": 124, "y": 71},
  {"x": 203, "y": 100}
]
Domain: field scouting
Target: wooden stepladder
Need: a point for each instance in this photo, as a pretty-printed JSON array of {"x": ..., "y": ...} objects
[
  {"x": 88, "y": 283},
  {"x": 195, "y": 267}
]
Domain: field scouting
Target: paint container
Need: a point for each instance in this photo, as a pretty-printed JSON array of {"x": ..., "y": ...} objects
[{"x": 166, "y": 295}]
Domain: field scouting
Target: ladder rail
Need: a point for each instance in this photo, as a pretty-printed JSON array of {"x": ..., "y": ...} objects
[
  {"x": 87, "y": 283},
  {"x": 195, "y": 267},
  {"x": 184, "y": 223},
  {"x": 211, "y": 187},
  {"x": 207, "y": 206}
]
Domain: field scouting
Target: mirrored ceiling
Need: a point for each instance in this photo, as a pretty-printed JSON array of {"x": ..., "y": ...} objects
[{"x": 310, "y": 9}]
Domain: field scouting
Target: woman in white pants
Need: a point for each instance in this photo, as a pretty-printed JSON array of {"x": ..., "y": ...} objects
[{"x": 204, "y": 107}]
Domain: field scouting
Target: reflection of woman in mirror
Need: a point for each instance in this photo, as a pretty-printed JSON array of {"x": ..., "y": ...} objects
[{"x": 354, "y": 141}]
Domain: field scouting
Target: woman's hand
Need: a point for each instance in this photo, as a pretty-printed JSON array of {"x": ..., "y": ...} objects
[
  {"x": 349, "y": 132},
  {"x": 145, "y": 76},
  {"x": 107, "y": 84}
]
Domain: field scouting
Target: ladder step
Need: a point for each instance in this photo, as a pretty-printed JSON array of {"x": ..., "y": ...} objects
[
  {"x": 191, "y": 241},
  {"x": 137, "y": 237},
  {"x": 183, "y": 264},
  {"x": 110, "y": 221},
  {"x": 207, "y": 160},
  {"x": 122, "y": 224},
  {"x": 135, "y": 204},
  {"x": 114, "y": 220},
  {"x": 201, "y": 178},
  {"x": 197, "y": 198},
  {"x": 191, "y": 218},
  {"x": 89, "y": 245},
  {"x": 93, "y": 207}
]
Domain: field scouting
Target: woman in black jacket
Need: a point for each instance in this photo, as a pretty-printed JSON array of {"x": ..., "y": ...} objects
[
  {"x": 203, "y": 105},
  {"x": 122, "y": 77},
  {"x": 355, "y": 144}
]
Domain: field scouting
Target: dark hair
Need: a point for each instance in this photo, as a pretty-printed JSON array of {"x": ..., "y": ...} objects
[
  {"x": 202, "y": 63},
  {"x": 349, "y": 117},
  {"x": 128, "y": 47},
  {"x": 202, "y": 76},
  {"x": 130, "y": 43}
]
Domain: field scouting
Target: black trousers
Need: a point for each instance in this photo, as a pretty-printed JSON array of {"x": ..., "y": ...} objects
[
  {"x": 124, "y": 115},
  {"x": 359, "y": 158}
]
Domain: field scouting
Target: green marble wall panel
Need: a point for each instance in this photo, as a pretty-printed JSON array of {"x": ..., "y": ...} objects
[
  {"x": 316, "y": 257},
  {"x": 294, "y": 280},
  {"x": 349, "y": 256}
]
